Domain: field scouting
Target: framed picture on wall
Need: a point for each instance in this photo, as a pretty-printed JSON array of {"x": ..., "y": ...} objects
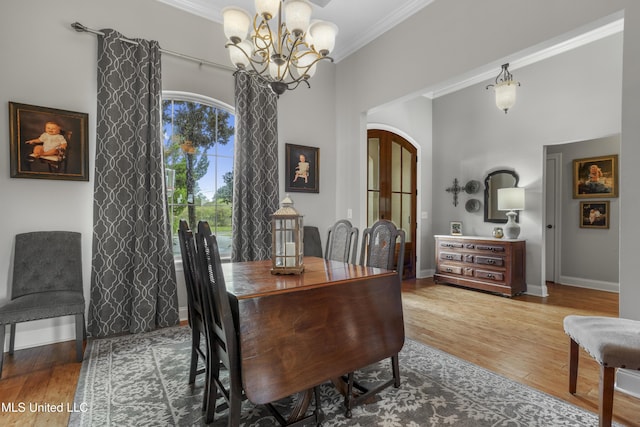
[
  {"x": 302, "y": 169},
  {"x": 595, "y": 177},
  {"x": 594, "y": 214},
  {"x": 48, "y": 143},
  {"x": 455, "y": 228}
]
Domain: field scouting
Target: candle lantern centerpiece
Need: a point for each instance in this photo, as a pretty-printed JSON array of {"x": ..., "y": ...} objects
[{"x": 287, "y": 255}]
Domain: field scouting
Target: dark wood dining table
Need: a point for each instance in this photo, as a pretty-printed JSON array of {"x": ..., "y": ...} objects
[{"x": 299, "y": 331}]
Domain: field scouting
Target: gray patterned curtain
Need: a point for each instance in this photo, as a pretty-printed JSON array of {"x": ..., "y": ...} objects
[
  {"x": 255, "y": 171},
  {"x": 133, "y": 279}
]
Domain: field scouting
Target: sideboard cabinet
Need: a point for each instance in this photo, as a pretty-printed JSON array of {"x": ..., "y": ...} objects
[{"x": 494, "y": 265}]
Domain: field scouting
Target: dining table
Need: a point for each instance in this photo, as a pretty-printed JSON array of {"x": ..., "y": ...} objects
[{"x": 298, "y": 331}]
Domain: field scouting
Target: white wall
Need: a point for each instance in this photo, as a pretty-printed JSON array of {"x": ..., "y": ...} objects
[{"x": 47, "y": 63}]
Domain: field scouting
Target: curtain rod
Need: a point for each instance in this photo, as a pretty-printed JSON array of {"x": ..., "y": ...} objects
[{"x": 83, "y": 29}]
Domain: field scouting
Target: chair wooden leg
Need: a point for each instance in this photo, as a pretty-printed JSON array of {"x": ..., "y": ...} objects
[
  {"x": 573, "y": 366},
  {"x": 2, "y": 341},
  {"x": 395, "y": 368},
  {"x": 235, "y": 406},
  {"x": 12, "y": 338},
  {"x": 607, "y": 382},
  {"x": 195, "y": 343},
  {"x": 79, "y": 337}
]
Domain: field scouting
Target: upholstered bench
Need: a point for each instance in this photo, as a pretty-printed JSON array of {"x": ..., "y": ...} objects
[{"x": 613, "y": 343}]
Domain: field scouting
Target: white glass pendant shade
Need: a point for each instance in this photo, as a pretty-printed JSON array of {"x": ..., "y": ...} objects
[
  {"x": 267, "y": 8},
  {"x": 297, "y": 16},
  {"x": 303, "y": 63},
  {"x": 275, "y": 70},
  {"x": 238, "y": 57},
  {"x": 506, "y": 94},
  {"x": 324, "y": 36},
  {"x": 236, "y": 23}
]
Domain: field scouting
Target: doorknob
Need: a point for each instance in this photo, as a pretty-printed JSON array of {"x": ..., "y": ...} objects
[{"x": 549, "y": 226}]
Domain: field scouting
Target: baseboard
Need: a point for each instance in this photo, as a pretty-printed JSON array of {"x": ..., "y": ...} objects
[
  {"x": 590, "y": 284},
  {"x": 628, "y": 382},
  {"x": 535, "y": 290},
  {"x": 42, "y": 332},
  {"x": 423, "y": 274},
  {"x": 184, "y": 313}
]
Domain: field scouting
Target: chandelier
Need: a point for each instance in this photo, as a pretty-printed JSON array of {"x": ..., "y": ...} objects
[
  {"x": 283, "y": 53},
  {"x": 505, "y": 89}
]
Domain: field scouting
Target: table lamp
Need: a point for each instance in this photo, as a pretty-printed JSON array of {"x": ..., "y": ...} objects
[{"x": 511, "y": 199}]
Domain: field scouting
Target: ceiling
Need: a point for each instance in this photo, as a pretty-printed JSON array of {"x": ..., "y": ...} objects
[
  {"x": 361, "y": 21},
  {"x": 358, "y": 21}
]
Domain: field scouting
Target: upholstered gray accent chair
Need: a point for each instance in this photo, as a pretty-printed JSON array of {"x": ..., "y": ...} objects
[
  {"x": 47, "y": 282},
  {"x": 613, "y": 342},
  {"x": 382, "y": 247},
  {"x": 342, "y": 242}
]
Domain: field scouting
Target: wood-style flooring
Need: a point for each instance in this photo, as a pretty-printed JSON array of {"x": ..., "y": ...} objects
[{"x": 520, "y": 338}]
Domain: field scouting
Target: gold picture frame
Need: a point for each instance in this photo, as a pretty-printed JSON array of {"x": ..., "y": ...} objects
[
  {"x": 594, "y": 214},
  {"x": 595, "y": 177}
]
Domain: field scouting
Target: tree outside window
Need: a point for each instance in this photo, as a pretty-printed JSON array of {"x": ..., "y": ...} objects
[{"x": 198, "y": 153}]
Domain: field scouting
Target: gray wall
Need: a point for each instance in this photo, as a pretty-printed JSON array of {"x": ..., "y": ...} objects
[
  {"x": 49, "y": 64},
  {"x": 587, "y": 253}
]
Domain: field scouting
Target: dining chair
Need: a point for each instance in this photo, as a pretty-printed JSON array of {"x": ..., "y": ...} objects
[
  {"x": 312, "y": 244},
  {"x": 382, "y": 247},
  {"x": 194, "y": 299},
  {"x": 47, "y": 283},
  {"x": 342, "y": 242},
  {"x": 222, "y": 338}
]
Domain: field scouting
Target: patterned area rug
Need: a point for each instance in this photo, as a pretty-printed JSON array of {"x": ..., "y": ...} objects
[{"x": 138, "y": 380}]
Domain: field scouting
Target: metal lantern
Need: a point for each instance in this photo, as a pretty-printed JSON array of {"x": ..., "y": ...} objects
[{"x": 287, "y": 233}]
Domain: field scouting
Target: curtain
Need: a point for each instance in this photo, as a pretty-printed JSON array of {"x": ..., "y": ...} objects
[
  {"x": 255, "y": 179},
  {"x": 133, "y": 279}
]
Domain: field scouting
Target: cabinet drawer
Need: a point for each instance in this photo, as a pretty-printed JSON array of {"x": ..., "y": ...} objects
[
  {"x": 491, "y": 275},
  {"x": 448, "y": 256},
  {"x": 453, "y": 245},
  {"x": 453, "y": 269},
  {"x": 489, "y": 260},
  {"x": 490, "y": 248}
]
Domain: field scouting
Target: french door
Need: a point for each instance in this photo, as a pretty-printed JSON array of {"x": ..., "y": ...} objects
[{"x": 391, "y": 187}]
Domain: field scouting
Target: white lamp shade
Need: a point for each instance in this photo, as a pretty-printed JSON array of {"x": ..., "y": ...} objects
[
  {"x": 236, "y": 23},
  {"x": 297, "y": 16},
  {"x": 267, "y": 8},
  {"x": 303, "y": 63},
  {"x": 511, "y": 199},
  {"x": 506, "y": 94},
  {"x": 324, "y": 36},
  {"x": 238, "y": 57},
  {"x": 276, "y": 71}
]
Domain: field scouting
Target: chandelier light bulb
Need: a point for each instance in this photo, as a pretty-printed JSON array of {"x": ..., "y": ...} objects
[
  {"x": 268, "y": 9},
  {"x": 324, "y": 36},
  {"x": 236, "y": 24},
  {"x": 297, "y": 15}
]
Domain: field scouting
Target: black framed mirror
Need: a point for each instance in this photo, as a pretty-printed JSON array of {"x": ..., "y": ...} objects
[{"x": 497, "y": 179}]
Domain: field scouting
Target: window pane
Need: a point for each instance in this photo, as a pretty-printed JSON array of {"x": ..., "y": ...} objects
[
  {"x": 406, "y": 170},
  {"x": 373, "y": 211},
  {"x": 396, "y": 167},
  {"x": 374, "y": 164},
  {"x": 198, "y": 153}
]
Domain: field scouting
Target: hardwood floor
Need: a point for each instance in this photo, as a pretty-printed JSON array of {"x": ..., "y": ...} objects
[{"x": 520, "y": 338}]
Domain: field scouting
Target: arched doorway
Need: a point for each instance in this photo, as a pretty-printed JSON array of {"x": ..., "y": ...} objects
[{"x": 391, "y": 187}]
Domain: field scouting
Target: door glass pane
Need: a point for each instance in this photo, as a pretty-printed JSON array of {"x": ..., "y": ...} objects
[
  {"x": 396, "y": 209},
  {"x": 396, "y": 167},
  {"x": 406, "y": 171},
  {"x": 406, "y": 216},
  {"x": 373, "y": 173},
  {"x": 373, "y": 205}
]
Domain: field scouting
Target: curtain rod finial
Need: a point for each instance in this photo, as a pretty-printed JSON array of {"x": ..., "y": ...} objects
[{"x": 78, "y": 27}]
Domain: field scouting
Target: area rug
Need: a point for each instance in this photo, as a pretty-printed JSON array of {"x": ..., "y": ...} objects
[{"x": 138, "y": 380}]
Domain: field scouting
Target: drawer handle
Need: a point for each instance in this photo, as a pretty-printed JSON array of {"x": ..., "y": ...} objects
[
  {"x": 491, "y": 261},
  {"x": 449, "y": 270},
  {"x": 490, "y": 276},
  {"x": 448, "y": 257}
]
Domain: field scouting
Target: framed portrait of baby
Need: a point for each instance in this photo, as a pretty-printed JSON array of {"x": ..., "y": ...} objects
[
  {"x": 594, "y": 214},
  {"x": 302, "y": 169},
  {"x": 48, "y": 143},
  {"x": 595, "y": 177}
]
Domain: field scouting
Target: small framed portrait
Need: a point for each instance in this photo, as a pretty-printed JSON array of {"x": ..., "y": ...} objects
[
  {"x": 455, "y": 228},
  {"x": 48, "y": 143},
  {"x": 302, "y": 169},
  {"x": 595, "y": 177},
  {"x": 594, "y": 214}
]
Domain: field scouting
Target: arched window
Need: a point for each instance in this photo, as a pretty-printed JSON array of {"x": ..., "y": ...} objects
[{"x": 198, "y": 156}]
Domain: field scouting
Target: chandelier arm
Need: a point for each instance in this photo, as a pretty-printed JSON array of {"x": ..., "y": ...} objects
[{"x": 252, "y": 61}]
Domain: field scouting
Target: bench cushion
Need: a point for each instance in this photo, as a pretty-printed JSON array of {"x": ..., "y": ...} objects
[{"x": 612, "y": 341}]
